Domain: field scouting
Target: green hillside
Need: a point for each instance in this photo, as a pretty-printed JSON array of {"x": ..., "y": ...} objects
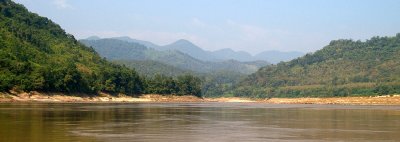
[
  {"x": 37, "y": 54},
  {"x": 342, "y": 68},
  {"x": 151, "y": 68},
  {"x": 119, "y": 51}
]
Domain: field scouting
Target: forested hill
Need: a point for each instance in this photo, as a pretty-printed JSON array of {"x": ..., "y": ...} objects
[
  {"x": 344, "y": 67},
  {"x": 150, "y": 68},
  {"x": 37, "y": 54}
]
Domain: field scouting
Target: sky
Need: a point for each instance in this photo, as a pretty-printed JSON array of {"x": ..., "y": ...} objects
[{"x": 242, "y": 25}]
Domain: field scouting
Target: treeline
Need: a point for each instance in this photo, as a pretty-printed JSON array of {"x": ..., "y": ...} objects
[
  {"x": 343, "y": 68},
  {"x": 36, "y": 54},
  {"x": 181, "y": 85},
  {"x": 216, "y": 84}
]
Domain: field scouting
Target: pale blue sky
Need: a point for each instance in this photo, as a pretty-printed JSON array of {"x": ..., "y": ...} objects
[{"x": 249, "y": 25}]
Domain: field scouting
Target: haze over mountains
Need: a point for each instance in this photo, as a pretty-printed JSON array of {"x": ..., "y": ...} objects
[
  {"x": 197, "y": 52},
  {"x": 123, "y": 51}
]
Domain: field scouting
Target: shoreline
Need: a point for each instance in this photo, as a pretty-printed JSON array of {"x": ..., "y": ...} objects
[{"x": 155, "y": 98}]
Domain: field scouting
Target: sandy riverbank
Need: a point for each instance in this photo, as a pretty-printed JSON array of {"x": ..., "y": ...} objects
[
  {"x": 107, "y": 98},
  {"x": 378, "y": 100},
  {"x": 104, "y": 97}
]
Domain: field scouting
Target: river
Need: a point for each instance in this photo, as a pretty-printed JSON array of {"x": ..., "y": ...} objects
[{"x": 184, "y": 122}]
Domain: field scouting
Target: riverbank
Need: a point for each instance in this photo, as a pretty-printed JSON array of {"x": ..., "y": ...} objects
[
  {"x": 107, "y": 98},
  {"x": 378, "y": 100}
]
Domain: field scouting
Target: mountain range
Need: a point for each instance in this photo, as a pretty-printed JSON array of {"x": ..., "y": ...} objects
[
  {"x": 195, "y": 51},
  {"x": 115, "y": 49}
]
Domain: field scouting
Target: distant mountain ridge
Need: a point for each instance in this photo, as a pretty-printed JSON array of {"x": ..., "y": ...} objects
[
  {"x": 145, "y": 43},
  {"x": 115, "y": 50},
  {"x": 195, "y": 51},
  {"x": 189, "y": 48},
  {"x": 228, "y": 53}
]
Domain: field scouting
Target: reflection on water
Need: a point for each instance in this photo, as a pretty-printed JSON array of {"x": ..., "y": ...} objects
[{"x": 183, "y": 122}]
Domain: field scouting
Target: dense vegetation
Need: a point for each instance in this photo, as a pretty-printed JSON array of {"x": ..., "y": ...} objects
[
  {"x": 182, "y": 85},
  {"x": 217, "y": 83},
  {"x": 150, "y": 68},
  {"x": 37, "y": 54},
  {"x": 343, "y": 68}
]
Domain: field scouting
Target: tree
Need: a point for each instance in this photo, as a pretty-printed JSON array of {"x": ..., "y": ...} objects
[{"x": 189, "y": 85}]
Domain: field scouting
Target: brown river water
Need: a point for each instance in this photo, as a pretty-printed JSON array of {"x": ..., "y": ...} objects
[{"x": 192, "y": 122}]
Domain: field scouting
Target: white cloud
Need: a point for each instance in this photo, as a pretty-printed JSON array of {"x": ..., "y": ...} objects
[
  {"x": 198, "y": 23},
  {"x": 253, "y": 38},
  {"x": 62, "y": 4}
]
